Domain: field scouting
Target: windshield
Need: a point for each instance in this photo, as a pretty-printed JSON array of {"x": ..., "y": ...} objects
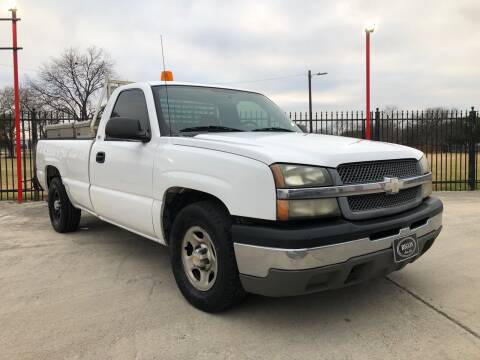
[{"x": 194, "y": 109}]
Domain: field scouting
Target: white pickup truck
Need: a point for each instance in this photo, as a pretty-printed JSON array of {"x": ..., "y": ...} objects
[{"x": 245, "y": 200}]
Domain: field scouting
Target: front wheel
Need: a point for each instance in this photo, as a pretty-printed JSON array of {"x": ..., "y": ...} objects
[
  {"x": 63, "y": 215},
  {"x": 203, "y": 259}
]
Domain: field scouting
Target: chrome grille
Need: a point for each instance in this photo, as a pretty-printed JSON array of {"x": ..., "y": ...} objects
[
  {"x": 375, "y": 171},
  {"x": 382, "y": 200},
  {"x": 365, "y": 206}
]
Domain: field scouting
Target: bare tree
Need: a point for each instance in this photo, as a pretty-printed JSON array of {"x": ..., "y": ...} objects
[
  {"x": 69, "y": 83},
  {"x": 28, "y": 102},
  {"x": 389, "y": 109},
  {"x": 7, "y": 124}
]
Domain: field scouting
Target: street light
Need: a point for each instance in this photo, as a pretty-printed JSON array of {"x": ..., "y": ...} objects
[
  {"x": 15, "y": 48},
  {"x": 310, "y": 75},
  {"x": 9, "y": 4},
  {"x": 368, "y": 30}
]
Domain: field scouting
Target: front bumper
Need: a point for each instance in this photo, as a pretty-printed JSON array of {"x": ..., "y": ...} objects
[{"x": 338, "y": 253}]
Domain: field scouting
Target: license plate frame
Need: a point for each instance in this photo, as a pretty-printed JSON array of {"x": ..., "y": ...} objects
[{"x": 405, "y": 248}]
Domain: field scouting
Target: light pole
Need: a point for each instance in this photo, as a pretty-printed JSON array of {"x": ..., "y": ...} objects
[
  {"x": 18, "y": 148},
  {"x": 368, "y": 30},
  {"x": 310, "y": 75}
]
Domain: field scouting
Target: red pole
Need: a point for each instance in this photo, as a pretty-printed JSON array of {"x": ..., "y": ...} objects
[
  {"x": 17, "y": 108},
  {"x": 367, "y": 125}
]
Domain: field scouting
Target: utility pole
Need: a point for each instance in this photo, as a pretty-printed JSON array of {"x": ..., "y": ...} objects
[
  {"x": 310, "y": 112},
  {"x": 310, "y": 100},
  {"x": 368, "y": 29},
  {"x": 18, "y": 148}
]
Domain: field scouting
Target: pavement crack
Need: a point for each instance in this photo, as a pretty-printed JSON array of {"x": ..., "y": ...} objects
[
  {"x": 434, "y": 308},
  {"x": 154, "y": 283},
  {"x": 120, "y": 264}
]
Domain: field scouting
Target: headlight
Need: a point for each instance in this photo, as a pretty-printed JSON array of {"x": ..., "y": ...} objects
[
  {"x": 425, "y": 169},
  {"x": 424, "y": 165},
  {"x": 295, "y": 176},
  {"x": 301, "y": 176}
]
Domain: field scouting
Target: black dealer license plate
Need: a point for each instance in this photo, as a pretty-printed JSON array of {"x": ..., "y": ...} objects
[{"x": 405, "y": 248}]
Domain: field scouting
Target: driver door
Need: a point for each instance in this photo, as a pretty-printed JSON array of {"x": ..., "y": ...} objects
[{"x": 121, "y": 170}]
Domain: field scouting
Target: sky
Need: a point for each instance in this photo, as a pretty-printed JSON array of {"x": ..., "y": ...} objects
[{"x": 424, "y": 53}]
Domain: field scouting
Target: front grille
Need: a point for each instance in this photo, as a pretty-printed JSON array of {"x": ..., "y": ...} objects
[
  {"x": 382, "y": 200},
  {"x": 376, "y": 171}
]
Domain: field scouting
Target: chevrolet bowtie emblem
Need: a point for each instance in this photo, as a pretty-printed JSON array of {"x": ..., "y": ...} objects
[{"x": 392, "y": 185}]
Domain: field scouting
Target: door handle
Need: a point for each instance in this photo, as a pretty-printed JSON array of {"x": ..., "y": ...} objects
[{"x": 100, "y": 157}]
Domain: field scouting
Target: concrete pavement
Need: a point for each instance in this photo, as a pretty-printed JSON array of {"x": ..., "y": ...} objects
[{"x": 104, "y": 293}]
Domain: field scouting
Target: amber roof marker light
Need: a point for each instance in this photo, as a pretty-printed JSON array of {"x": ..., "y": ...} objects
[{"x": 166, "y": 75}]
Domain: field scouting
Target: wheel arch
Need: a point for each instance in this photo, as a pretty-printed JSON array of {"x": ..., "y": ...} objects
[
  {"x": 51, "y": 172},
  {"x": 176, "y": 198}
]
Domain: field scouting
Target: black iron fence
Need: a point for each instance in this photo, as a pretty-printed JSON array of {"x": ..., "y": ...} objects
[
  {"x": 451, "y": 140},
  {"x": 32, "y": 127}
]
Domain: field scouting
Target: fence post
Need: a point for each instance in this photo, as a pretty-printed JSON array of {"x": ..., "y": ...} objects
[
  {"x": 472, "y": 153},
  {"x": 377, "y": 125},
  {"x": 363, "y": 125},
  {"x": 34, "y": 129}
]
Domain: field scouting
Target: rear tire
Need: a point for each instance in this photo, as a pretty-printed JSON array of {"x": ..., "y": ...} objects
[
  {"x": 63, "y": 215},
  {"x": 203, "y": 259}
]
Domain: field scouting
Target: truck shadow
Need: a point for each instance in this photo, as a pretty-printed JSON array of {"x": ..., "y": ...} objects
[
  {"x": 362, "y": 301},
  {"x": 376, "y": 306}
]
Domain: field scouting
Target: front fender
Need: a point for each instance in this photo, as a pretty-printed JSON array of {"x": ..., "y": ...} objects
[{"x": 244, "y": 185}]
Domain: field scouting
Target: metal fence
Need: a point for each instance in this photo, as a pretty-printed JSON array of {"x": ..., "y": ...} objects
[
  {"x": 32, "y": 127},
  {"x": 449, "y": 138}
]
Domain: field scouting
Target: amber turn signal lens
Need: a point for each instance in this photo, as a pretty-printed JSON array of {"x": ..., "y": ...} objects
[
  {"x": 278, "y": 176},
  {"x": 282, "y": 210}
]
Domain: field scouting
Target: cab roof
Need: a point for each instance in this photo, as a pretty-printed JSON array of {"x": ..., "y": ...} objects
[{"x": 169, "y": 83}]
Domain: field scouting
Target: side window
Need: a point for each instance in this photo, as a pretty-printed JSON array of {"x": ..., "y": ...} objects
[{"x": 132, "y": 104}]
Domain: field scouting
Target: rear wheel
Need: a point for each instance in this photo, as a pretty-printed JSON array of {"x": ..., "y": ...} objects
[
  {"x": 203, "y": 259},
  {"x": 63, "y": 215}
]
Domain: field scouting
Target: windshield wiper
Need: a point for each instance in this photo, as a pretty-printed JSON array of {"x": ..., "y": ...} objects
[
  {"x": 210, "y": 128},
  {"x": 273, "y": 129}
]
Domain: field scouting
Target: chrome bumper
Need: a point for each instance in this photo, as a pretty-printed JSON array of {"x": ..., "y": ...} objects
[{"x": 257, "y": 261}]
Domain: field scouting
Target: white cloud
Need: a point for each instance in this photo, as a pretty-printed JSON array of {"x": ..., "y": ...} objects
[{"x": 424, "y": 53}]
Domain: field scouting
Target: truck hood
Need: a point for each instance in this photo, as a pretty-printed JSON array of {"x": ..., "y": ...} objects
[{"x": 299, "y": 148}]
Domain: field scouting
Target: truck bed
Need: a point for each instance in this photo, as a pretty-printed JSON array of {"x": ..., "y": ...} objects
[{"x": 71, "y": 158}]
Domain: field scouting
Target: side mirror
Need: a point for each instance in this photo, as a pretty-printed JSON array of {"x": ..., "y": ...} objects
[
  {"x": 303, "y": 128},
  {"x": 127, "y": 129}
]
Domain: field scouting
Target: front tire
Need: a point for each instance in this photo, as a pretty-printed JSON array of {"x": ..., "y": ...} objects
[
  {"x": 203, "y": 259},
  {"x": 63, "y": 215}
]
